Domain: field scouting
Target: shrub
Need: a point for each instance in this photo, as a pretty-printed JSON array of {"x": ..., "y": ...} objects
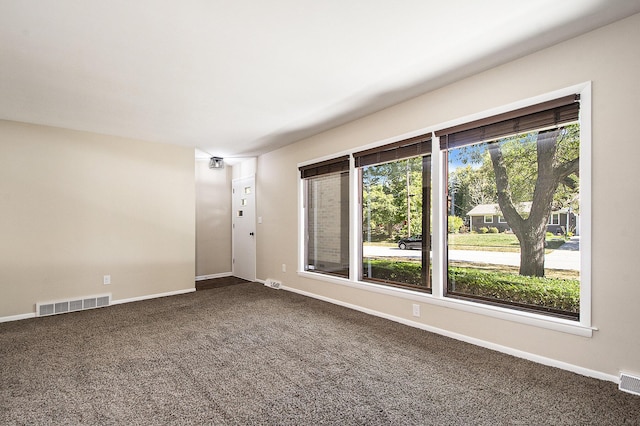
[
  {"x": 493, "y": 230},
  {"x": 389, "y": 270},
  {"x": 454, "y": 224},
  {"x": 563, "y": 295},
  {"x": 483, "y": 230},
  {"x": 553, "y": 293}
]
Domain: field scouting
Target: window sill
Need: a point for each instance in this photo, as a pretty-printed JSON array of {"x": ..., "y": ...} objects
[{"x": 527, "y": 318}]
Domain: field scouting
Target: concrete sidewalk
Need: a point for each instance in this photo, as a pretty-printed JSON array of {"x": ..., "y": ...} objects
[{"x": 558, "y": 259}]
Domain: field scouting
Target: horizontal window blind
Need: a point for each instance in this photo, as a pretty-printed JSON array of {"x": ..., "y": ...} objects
[
  {"x": 413, "y": 147},
  {"x": 547, "y": 114},
  {"x": 340, "y": 164}
]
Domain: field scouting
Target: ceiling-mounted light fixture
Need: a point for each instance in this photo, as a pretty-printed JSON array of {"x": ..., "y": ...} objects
[{"x": 216, "y": 163}]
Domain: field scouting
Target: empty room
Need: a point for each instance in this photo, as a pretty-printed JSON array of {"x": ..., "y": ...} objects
[{"x": 337, "y": 212}]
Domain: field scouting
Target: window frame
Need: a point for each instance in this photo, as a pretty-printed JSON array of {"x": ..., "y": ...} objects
[
  {"x": 488, "y": 216},
  {"x": 583, "y": 327},
  {"x": 335, "y": 166},
  {"x": 420, "y": 146},
  {"x": 538, "y": 118}
]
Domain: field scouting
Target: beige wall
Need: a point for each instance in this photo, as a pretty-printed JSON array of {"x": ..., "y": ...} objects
[
  {"x": 244, "y": 168},
  {"x": 213, "y": 220},
  {"x": 75, "y": 206},
  {"x": 609, "y": 58}
]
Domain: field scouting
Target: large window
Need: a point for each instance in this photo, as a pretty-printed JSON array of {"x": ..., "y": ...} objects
[
  {"x": 396, "y": 200},
  {"x": 528, "y": 165},
  {"x": 326, "y": 192},
  {"x": 490, "y": 222}
]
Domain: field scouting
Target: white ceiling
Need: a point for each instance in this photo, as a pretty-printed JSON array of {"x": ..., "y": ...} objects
[{"x": 240, "y": 77}]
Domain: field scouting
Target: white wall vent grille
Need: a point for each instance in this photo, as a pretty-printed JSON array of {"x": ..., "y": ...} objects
[
  {"x": 60, "y": 307},
  {"x": 46, "y": 309},
  {"x": 629, "y": 384}
]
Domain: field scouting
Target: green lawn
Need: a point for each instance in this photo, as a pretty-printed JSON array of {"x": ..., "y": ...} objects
[
  {"x": 498, "y": 242},
  {"x": 494, "y": 242}
]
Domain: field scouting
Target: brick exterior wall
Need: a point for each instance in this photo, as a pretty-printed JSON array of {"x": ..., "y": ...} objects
[{"x": 328, "y": 222}]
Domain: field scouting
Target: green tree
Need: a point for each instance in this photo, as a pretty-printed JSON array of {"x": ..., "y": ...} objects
[
  {"x": 380, "y": 212},
  {"x": 539, "y": 167},
  {"x": 392, "y": 197},
  {"x": 470, "y": 186},
  {"x": 454, "y": 223},
  {"x": 532, "y": 167},
  {"x": 413, "y": 196}
]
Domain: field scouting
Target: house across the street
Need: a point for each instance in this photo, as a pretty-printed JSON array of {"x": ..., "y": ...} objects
[{"x": 489, "y": 215}]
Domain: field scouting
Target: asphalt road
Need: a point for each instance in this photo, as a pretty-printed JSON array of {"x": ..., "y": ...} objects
[{"x": 568, "y": 259}]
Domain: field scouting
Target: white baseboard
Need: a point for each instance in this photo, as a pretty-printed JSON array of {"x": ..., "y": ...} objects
[
  {"x": 17, "y": 317},
  {"x": 478, "y": 342},
  {"x": 212, "y": 276},
  {"x": 152, "y": 296},
  {"x": 113, "y": 302}
]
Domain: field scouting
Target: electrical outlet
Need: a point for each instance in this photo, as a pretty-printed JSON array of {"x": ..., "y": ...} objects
[
  {"x": 284, "y": 267},
  {"x": 106, "y": 280},
  {"x": 416, "y": 310}
]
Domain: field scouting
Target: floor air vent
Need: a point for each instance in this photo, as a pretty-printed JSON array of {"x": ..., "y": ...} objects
[
  {"x": 61, "y": 307},
  {"x": 629, "y": 384},
  {"x": 270, "y": 282}
]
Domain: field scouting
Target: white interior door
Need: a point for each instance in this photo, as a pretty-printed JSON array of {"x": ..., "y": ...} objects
[{"x": 243, "y": 203}]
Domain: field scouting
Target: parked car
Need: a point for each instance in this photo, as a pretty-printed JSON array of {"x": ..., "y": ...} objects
[{"x": 414, "y": 242}]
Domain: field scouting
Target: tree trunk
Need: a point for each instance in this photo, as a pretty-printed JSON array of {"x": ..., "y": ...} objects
[
  {"x": 531, "y": 231},
  {"x": 532, "y": 252}
]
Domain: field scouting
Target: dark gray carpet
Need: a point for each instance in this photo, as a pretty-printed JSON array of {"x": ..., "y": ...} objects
[
  {"x": 247, "y": 354},
  {"x": 218, "y": 282}
]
